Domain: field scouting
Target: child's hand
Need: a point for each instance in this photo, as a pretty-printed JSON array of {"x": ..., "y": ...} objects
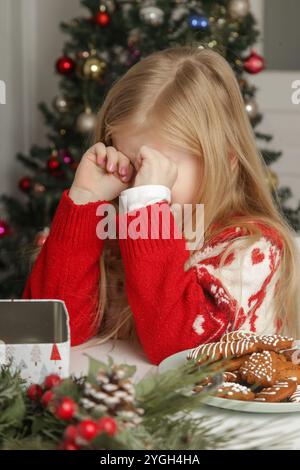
[
  {"x": 154, "y": 168},
  {"x": 102, "y": 174}
]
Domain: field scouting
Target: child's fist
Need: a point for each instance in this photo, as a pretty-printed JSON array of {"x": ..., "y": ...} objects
[
  {"x": 102, "y": 174},
  {"x": 153, "y": 167}
]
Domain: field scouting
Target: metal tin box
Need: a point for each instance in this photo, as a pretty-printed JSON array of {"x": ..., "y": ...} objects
[{"x": 35, "y": 335}]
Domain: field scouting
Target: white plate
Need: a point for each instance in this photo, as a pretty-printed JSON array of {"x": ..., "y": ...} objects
[{"x": 177, "y": 359}]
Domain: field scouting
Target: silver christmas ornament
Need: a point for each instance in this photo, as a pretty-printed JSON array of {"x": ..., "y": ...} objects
[
  {"x": 86, "y": 121},
  {"x": 238, "y": 9}
]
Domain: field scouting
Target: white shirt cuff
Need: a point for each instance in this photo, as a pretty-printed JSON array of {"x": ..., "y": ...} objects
[{"x": 141, "y": 196}]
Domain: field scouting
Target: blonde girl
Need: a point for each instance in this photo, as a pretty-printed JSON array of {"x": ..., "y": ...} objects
[{"x": 172, "y": 130}]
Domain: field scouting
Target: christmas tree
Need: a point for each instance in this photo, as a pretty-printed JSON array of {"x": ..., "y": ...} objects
[{"x": 100, "y": 47}]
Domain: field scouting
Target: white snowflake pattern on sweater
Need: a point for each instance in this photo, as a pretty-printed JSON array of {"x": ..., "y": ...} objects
[{"x": 246, "y": 282}]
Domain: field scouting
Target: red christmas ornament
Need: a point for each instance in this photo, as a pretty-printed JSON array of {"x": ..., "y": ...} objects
[
  {"x": 107, "y": 425},
  {"x": 34, "y": 392},
  {"x": 47, "y": 397},
  {"x": 88, "y": 429},
  {"x": 102, "y": 18},
  {"x": 69, "y": 446},
  {"x": 71, "y": 432},
  {"x": 65, "y": 65},
  {"x": 4, "y": 228},
  {"x": 254, "y": 63},
  {"x": 51, "y": 381},
  {"x": 53, "y": 164},
  {"x": 25, "y": 184},
  {"x": 66, "y": 409}
]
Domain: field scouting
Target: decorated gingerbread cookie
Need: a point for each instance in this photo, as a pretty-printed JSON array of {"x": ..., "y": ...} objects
[
  {"x": 292, "y": 355},
  {"x": 295, "y": 397},
  {"x": 234, "y": 391},
  {"x": 231, "y": 376},
  {"x": 280, "y": 391},
  {"x": 260, "y": 368},
  {"x": 220, "y": 350}
]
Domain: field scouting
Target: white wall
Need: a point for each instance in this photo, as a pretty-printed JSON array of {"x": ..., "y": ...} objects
[
  {"x": 12, "y": 135},
  {"x": 30, "y": 42}
]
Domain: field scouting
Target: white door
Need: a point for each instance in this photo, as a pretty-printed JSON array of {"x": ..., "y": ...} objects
[{"x": 280, "y": 45}]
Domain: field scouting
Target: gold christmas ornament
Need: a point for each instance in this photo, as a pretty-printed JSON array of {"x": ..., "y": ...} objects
[
  {"x": 238, "y": 9},
  {"x": 86, "y": 121},
  {"x": 93, "y": 68}
]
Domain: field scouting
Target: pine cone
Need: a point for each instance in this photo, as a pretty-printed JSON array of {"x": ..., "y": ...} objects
[{"x": 113, "y": 394}]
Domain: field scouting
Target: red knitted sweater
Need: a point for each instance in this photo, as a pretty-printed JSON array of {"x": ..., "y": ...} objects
[{"x": 178, "y": 301}]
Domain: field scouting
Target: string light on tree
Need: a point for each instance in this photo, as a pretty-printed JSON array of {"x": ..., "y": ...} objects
[
  {"x": 83, "y": 55},
  {"x": 61, "y": 104},
  {"x": 251, "y": 108},
  {"x": 152, "y": 15},
  {"x": 198, "y": 22}
]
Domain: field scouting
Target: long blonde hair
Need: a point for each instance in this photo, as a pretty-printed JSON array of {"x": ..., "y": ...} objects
[{"x": 192, "y": 97}]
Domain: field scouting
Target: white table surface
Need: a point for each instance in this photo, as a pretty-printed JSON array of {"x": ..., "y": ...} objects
[
  {"x": 120, "y": 350},
  {"x": 263, "y": 426}
]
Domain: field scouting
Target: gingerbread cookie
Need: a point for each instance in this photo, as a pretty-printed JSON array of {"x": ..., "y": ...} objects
[
  {"x": 295, "y": 397},
  {"x": 274, "y": 342},
  {"x": 266, "y": 342},
  {"x": 280, "y": 391},
  {"x": 231, "y": 377},
  {"x": 234, "y": 391},
  {"x": 289, "y": 371},
  {"x": 260, "y": 368},
  {"x": 235, "y": 335},
  {"x": 292, "y": 355},
  {"x": 216, "y": 351},
  {"x": 234, "y": 364}
]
